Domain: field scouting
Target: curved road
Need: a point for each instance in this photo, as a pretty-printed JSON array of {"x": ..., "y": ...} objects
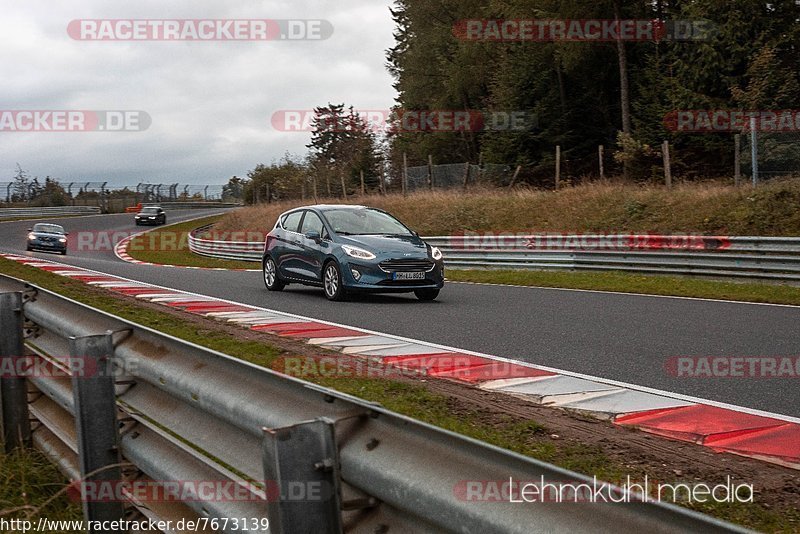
[{"x": 621, "y": 337}]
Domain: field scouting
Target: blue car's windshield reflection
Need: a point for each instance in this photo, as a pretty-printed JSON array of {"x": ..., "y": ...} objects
[{"x": 364, "y": 222}]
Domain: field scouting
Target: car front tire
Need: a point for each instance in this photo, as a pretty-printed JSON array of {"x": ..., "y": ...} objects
[
  {"x": 332, "y": 282},
  {"x": 426, "y": 294},
  {"x": 271, "y": 280}
]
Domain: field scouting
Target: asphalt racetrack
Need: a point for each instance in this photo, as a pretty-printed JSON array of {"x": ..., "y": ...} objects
[{"x": 629, "y": 338}]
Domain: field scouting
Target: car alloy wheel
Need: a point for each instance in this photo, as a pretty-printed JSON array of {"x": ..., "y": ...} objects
[
  {"x": 332, "y": 282},
  {"x": 271, "y": 276}
]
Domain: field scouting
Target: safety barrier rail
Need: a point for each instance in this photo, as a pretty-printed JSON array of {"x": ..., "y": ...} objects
[
  {"x": 9, "y": 213},
  {"x": 148, "y": 408},
  {"x": 775, "y": 258}
]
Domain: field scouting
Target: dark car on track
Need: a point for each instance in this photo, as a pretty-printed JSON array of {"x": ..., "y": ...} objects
[
  {"x": 44, "y": 236},
  {"x": 151, "y": 215},
  {"x": 348, "y": 249}
]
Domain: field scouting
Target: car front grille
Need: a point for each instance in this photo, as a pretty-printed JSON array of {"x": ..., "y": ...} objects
[{"x": 405, "y": 265}]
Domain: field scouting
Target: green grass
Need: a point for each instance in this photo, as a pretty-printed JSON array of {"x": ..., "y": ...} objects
[
  {"x": 169, "y": 245},
  {"x": 32, "y": 487},
  {"x": 636, "y": 283},
  {"x": 525, "y": 437}
]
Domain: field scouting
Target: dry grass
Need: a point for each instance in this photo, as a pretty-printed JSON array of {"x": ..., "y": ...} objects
[{"x": 606, "y": 207}]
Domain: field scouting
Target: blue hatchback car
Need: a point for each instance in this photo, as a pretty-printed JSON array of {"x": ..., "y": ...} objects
[{"x": 346, "y": 249}]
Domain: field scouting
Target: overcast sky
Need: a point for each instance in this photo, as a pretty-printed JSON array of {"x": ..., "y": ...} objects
[{"x": 210, "y": 102}]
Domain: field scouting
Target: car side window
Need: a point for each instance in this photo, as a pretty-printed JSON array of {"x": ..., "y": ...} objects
[
  {"x": 312, "y": 223},
  {"x": 292, "y": 221}
]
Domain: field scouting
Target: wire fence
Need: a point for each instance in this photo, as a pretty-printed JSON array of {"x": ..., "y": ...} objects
[
  {"x": 21, "y": 193},
  {"x": 774, "y": 154}
]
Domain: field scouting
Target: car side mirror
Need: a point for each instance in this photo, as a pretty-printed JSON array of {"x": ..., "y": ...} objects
[
  {"x": 314, "y": 236},
  {"x": 66, "y": 233},
  {"x": 30, "y": 229}
]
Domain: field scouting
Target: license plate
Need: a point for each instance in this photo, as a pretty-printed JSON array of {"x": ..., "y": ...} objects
[{"x": 410, "y": 276}]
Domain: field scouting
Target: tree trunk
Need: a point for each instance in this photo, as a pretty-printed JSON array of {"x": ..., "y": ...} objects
[{"x": 624, "y": 93}]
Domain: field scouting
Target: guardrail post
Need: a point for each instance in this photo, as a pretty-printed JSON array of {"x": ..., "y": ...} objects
[
  {"x": 13, "y": 388},
  {"x": 301, "y": 468},
  {"x": 96, "y": 423}
]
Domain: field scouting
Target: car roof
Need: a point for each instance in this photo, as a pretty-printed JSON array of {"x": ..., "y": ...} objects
[{"x": 326, "y": 207}]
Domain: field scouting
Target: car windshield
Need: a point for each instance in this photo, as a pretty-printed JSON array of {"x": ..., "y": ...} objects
[
  {"x": 48, "y": 228},
  {"x": 364, "y": 221},
  {"x": 150, "y": 210}
]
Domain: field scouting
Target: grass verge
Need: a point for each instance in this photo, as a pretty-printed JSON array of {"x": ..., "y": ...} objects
[
  {"x": 636, "y": 283},
  {"x": 704, "y": 208},
  {"x": 30, "y": 486},
  {"x": 415, "y": 400},
  {"x": 169, "y": 245}
]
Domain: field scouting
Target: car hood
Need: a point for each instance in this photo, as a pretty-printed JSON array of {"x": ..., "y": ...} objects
[
  {"x": 387, "y": 244},
  {"x": 142, "y": 214}
]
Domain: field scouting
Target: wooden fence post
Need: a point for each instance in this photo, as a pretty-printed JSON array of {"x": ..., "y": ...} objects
[
  {"x": 737, "y": 164},
  {"x": 430, "y": 172},
  {"x": 558, "y": 166},
  {"x": 600, "y": 159},
  {"x": 405, "y": 174}
]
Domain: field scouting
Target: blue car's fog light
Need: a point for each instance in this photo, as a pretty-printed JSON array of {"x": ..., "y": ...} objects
[{"x": 356, "y": 274}]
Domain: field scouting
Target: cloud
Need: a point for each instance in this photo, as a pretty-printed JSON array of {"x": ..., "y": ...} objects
[{"x": 210, "y": 102}]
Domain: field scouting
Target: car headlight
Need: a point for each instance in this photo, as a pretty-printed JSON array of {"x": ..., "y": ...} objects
[
  {"x": 62, "y": 239},
  {"x": 360, "y": 253},
  {"x": 31, "y": 237},
  {"x": 436, "y": 254},
  {"x": 151, "y": 217}
]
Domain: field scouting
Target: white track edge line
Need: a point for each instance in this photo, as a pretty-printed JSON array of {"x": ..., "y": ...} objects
[{"x": 445, "y": 348}]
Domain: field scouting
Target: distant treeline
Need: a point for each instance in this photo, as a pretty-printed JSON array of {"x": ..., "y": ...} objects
[{"x": 744, "y": 56}]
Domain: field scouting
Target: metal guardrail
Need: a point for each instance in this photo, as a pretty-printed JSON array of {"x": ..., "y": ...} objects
[
  {"x": 229, "y": 250},
  {"x": 8, "y": 213},
  {"x": 743, "y": 257},
  {"x": 176, "y": 411}
]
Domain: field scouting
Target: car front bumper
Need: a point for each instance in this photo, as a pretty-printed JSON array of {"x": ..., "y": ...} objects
[
  {"x": 38, "y": 244},
  {"x": 373, "y": 279}
]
